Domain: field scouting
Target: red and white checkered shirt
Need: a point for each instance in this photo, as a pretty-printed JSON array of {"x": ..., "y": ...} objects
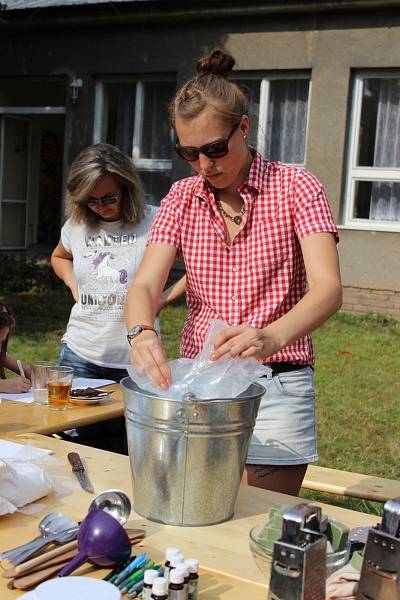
[{"x": 261, "y": 275}]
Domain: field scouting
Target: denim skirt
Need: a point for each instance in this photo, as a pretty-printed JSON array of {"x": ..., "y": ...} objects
[{"x": 285, "y": 431}]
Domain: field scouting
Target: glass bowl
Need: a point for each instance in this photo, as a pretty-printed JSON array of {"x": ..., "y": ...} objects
[{"x": 262, "y": 554}]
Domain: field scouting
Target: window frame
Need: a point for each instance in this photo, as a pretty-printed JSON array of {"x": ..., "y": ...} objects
[
  {"x": 265, "y": 78},
  {"x": 356, "y": 173}
]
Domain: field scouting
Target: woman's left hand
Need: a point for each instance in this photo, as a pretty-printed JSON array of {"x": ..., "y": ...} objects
[{"x": 244, "y": 341}]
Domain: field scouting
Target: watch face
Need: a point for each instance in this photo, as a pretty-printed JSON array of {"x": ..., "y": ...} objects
[{"x": 135, "y": 330}]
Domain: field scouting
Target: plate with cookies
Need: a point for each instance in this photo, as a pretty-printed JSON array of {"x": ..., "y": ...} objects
[{"x": 87, "y": 395}]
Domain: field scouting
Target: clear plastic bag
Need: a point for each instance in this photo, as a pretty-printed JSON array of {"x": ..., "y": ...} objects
[
  {"x": 226, "y": 377},
  {"x": 29, "y": 476}
]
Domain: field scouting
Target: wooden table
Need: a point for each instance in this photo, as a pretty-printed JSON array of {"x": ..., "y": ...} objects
[
  {"x": 18, "y": 417},
  {"x": 229, "y": 571}
]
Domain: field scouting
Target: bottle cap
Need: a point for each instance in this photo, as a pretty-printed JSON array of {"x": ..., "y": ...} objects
[
  {"x": 176, "y": 576},
  {"x": 160, "y": 586},
  {"x": 170, "y": 552},
  {"x": 183, "y": 569},
  {"x": 150, "y": 575},
  {"x": 193, "y": 564},
  {"x": 176, "y": 559}
]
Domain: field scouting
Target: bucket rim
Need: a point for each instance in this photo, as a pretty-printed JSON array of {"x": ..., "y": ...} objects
[{"x": 128, "y": 384}]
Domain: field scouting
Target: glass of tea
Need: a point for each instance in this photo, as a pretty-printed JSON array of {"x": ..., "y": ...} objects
[{"x": 59, "y": 386}]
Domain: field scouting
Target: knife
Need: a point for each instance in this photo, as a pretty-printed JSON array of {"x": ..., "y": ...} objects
[{"x": 79, "y": 470}]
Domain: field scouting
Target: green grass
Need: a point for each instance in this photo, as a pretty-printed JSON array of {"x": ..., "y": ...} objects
[{"x": 357, "y": 380}]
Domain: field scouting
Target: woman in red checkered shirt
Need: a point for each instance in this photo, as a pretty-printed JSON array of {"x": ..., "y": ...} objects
[{"x": 259, "y": 244}]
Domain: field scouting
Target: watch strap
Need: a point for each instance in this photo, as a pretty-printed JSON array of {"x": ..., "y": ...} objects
[{"x": 131, "y": 335}]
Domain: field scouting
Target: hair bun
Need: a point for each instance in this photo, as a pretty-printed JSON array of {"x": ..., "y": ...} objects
[{"x": 218, "y": 62}]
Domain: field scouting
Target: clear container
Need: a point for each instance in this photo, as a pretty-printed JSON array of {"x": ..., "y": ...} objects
[{"x": 263, "y": 554}]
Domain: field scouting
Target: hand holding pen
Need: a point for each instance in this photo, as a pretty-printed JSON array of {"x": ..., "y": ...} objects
[{"x": 16, "y": 385}]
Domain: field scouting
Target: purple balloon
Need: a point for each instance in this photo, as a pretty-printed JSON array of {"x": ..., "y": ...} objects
[{"x": 101, "y": 540}]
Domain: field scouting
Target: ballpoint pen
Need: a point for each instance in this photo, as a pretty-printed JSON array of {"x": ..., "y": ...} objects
[{"x": 20, "y": 369}]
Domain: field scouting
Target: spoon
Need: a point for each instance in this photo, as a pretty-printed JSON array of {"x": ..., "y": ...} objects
[
  {"x": 54, "y": 527},
  {"x": 42, "y": 525}
]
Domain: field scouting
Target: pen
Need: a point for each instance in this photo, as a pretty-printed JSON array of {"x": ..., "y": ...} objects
[
  {"x": 20, "y": 369},
  {"x": 112, "y": 575},
  {"x": 136, "y": 564},
  {"x": 135, "y": 591},
  {"x": 127, "y": 583}
]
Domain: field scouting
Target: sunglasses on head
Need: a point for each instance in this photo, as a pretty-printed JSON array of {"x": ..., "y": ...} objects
[
  {"x": 106, "y": 200},
  {"x": 212, "y": 150}
]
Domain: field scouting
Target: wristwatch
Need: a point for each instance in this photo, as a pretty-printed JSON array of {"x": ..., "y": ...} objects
[{"x": 137, "y": 329}]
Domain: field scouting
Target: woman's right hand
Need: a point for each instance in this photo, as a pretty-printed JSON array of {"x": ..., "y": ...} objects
[
  {"x": 15, "y": 385},
  {"x": 149, "y": 354}
]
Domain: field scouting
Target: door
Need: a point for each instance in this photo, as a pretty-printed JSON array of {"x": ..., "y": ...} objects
[{"x": 14, "y": 170}]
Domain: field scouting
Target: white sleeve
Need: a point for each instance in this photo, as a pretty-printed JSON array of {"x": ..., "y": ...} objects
[{"x": 66, "y": 231}]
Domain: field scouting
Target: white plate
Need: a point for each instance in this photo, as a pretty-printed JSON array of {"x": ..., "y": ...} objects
[
  {"x": 74, "y": 588},
  {"x": 89, "y": 399}
]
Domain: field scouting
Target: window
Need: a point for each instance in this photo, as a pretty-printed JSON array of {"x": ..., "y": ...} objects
[
  {"x": 279, "y": 113},
  {"x": 133, "y": 115},
  {"x": 373, "y": 175}
]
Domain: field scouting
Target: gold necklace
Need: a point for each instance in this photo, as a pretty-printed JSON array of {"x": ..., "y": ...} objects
[{"x": 237, "y": 219}]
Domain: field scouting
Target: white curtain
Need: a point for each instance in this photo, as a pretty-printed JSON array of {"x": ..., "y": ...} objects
[
  {"x": 385, "y": 195},
  {"x": 287, "y": 120}
]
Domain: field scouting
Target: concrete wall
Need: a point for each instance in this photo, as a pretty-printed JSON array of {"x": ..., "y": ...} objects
[{"x": 330, "y": 46}]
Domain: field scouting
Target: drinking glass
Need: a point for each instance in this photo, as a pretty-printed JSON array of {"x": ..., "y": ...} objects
[
  {"x": 40, "y": 377},
  {"x": 59, "y": 386}
]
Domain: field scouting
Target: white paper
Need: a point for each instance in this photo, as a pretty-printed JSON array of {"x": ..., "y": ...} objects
[
  {"x": 78, "y": 382},
  {"x": 26, "y": 397}
]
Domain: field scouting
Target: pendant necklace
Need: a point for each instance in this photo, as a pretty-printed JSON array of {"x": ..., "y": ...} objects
[{"x": 237, "y": 219}]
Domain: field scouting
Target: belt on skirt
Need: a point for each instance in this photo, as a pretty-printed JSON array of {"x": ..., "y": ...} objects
[{"x": 284, "y": 367}]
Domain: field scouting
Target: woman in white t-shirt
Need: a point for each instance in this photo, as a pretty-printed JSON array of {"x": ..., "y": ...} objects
[{"x": 101, "y": 246}]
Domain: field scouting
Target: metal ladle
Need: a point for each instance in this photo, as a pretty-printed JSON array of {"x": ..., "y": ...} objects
[
  {"x": 54, "y": 527},
  {"x": 114, "y": 502}
]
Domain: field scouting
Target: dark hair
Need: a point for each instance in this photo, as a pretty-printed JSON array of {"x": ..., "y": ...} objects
[
  {"x": 88, "y": 168},
  {"x": 210, "y": 88},
  {"x": 6, "y": 320}
]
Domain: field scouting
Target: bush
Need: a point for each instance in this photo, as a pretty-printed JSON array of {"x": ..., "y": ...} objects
[{"x": 20, "y": 273}]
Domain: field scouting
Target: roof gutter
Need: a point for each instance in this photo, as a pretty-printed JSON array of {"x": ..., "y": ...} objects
[{"x": 157, "y": 12}]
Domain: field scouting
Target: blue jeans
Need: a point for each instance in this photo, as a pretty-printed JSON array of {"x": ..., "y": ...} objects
[
  {"x": 109, "y": 435},
  {"x": 84, "y": 368}
]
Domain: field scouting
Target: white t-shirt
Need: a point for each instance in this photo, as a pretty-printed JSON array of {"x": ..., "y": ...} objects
[{"x": 105, "y": 260}]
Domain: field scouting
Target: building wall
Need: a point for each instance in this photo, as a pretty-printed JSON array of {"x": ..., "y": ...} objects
[{"x": 330, "y": 45}]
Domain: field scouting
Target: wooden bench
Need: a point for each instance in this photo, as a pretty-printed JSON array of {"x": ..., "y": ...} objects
[{"x": 345, "y": 483}]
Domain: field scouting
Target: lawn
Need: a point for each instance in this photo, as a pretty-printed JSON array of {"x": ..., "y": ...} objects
[{"x": 357, "y": 380}]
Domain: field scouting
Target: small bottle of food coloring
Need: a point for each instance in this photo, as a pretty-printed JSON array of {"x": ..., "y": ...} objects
[
  {"x": 176, "y": 588},
  {"x": 175, "y": 560},
  {"x": 148, "y": 578},
  {"x": 184, "y": 569},
  {"x": 168, "y": 553},
  {"x": 159, "y": 590},
  {"x": 193, "y": 565}
]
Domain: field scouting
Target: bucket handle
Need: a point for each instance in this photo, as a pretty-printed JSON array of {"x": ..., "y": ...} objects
[{"x": 188, "y": 407}]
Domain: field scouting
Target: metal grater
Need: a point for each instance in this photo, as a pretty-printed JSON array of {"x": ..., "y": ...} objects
[
  {"x": 298, "y": 569},
  {"x": 380, "y": 572}
]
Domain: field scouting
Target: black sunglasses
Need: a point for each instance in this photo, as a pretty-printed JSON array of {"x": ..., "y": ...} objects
[
  {"x": 106, "y": 200},
  {"x": 212, "y": 150}
]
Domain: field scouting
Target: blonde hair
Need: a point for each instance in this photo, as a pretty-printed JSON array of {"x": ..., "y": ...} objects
[
  {"x": 210, "y": 88},
  {"x": 88, "y": 168}
]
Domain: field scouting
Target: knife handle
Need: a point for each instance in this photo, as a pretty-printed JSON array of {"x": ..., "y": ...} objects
[{"x": 75, "y": 461}]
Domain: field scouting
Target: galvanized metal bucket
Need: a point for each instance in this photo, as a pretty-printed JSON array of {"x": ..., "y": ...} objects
[{"x": 187, "y": 456}]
